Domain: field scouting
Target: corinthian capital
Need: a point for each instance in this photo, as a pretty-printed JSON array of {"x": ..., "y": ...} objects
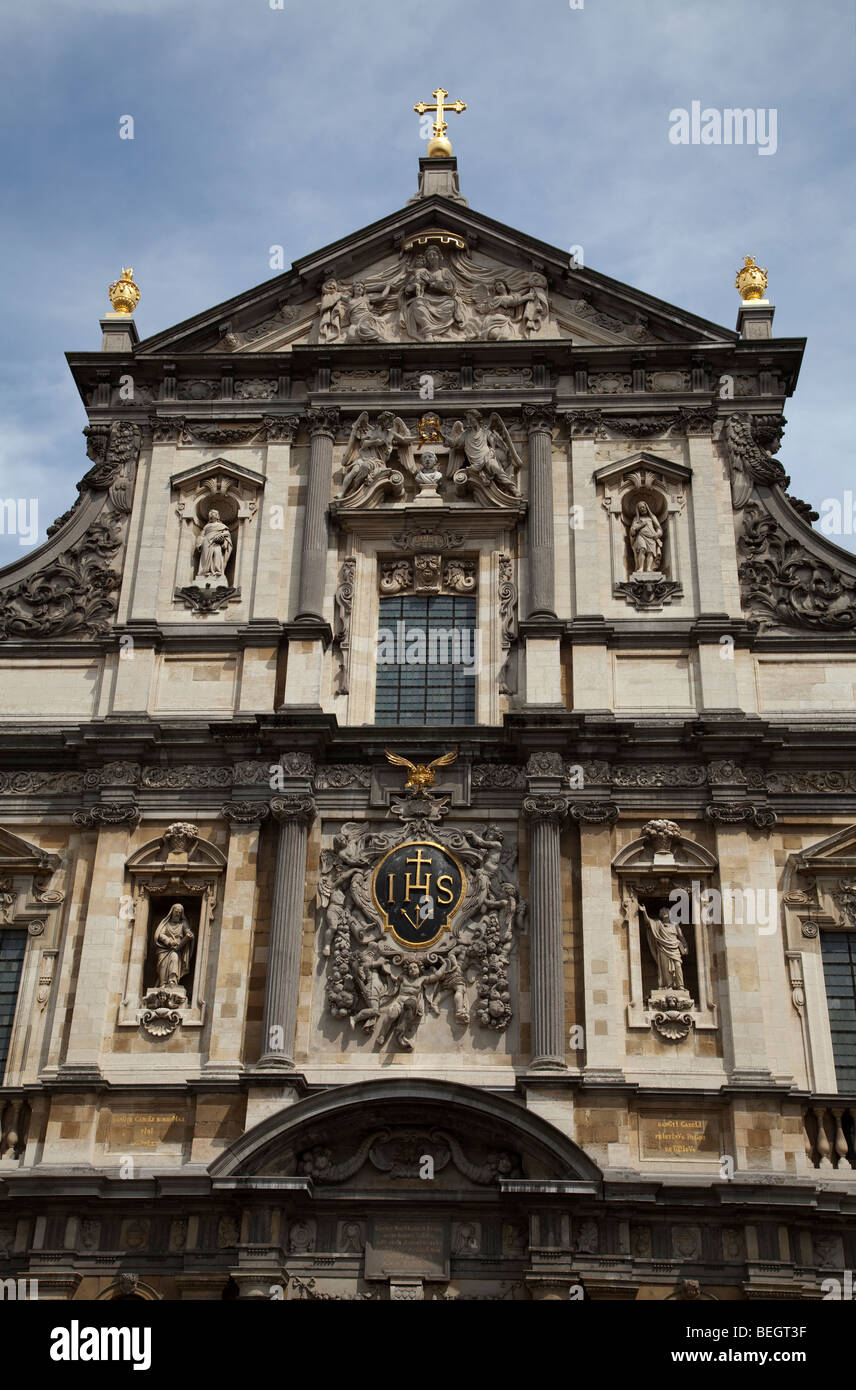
[
  {"x": 552, "y": 809},
  {"x": 539, "y": 419},
  {"x": 323, "y": 420},
  {"x": 293, "y": 808},
  {"x": 281, "y": 429}
]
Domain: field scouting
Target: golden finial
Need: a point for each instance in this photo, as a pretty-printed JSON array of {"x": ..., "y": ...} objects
[
  {"x": 751, "y": 280},
  {"x": 124, "y": 294},
  {"x": 421, "y": 775},
  {"x": 440, "y": 146}
]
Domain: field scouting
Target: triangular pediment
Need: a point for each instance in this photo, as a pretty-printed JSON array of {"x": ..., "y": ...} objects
[
  {"x": 434, "y": 272},
  {"x": 837, "y": 852},
  {"x": 17, "y": 855}
]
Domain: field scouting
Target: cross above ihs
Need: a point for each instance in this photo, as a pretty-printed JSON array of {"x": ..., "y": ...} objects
[{"x": 440, "y": 145}]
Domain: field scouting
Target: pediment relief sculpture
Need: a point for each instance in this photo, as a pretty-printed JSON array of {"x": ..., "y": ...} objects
[{"x": 435, "y": 294}]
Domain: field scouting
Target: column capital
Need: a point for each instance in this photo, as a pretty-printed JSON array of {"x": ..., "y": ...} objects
[
  {"x": 584, "y": 422},
  {"x": 293, "y": 809},
  {"x": 244, "y": 812},
  {"x": 741, "y": 813},
  {"x": 549, "y": 809},
  {"x": 281, "y": 429},
  {"x": 323, "y": 420},
  {"x": 110, "y": 814},
  {"x": 594, "y": 812},
  {"x": 539, "y": 419}
]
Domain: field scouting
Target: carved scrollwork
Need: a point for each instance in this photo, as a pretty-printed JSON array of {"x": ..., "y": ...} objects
[
  {"x": 108, "y": 814},
  {"x": 244, "y": 812},
  {"x": 783, "y": 584},
  {"x": 740, "y": 813},
  {"x": 75, "y": 593},
  {"x": 594, "y": 812},
  {"x": 343, "y": 602},
  {"x": 549, "y": 809},
  {"x": 293, "y": 808}
]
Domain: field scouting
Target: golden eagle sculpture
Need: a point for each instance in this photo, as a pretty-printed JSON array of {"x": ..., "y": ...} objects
[{"x": 421, "y": 775}]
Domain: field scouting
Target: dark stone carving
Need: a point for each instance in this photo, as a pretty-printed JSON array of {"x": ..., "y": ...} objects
[
  {"x": 427, "y": 540},
  {"x": 546, "y": 808},
  {"x": 109, "y": 814},
  {"x": 343, "y": 775},
  {"x": 783, "y": 584},
  {"x": 739, "y": 813},
  {"x": 508, "y": 620},
  {"x": 752, "y": 441},
  {"x": 293, "y": 808},
  {"x": 75, "y": 594},
  {"x": 206, "y": 599},
  {"x": 659, "y": 775},
  {"x": 594, "y": 812},
  {"x": 297, "y": 764},
  {"x": 281, "y": 429},
  {"x": 244, "y": 812},
  {"x": 545, "y": 765},
  {"x": 649, "y": 596},
  {"x": 641, "y": 426},
  {"x": 501, "y": 776},
  {"x": 343, "y": 600},
  {"x": 585, "y": 422}
]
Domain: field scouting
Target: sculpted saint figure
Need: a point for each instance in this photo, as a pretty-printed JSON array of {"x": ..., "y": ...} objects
[
  {"x": 369, "y": 449},
  {"x": 407, "y": 1008},
  {"x": 430, "y": 304},
  {"x": 646, "y": 540},
  {"x": 173, "y": 942},
  {"x": 369, "y": 971},
  {"x": 363, "y": 324},
  {"x": 667, "y": 945},
  {"x": 488, "y": 449},
  {"x": 332, "y": 311},
  {"x": 499, "y": 324},
  {"x": 213, "y": 548}
]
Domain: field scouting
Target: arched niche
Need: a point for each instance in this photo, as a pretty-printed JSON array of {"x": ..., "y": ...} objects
[
  {"x": 178, "y": 868},
  {"x": 663, "y": 868}
]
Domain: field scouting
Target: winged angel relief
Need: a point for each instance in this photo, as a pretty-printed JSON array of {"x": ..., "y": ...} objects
[
  {"x": 379, "y": 457},
  {"x": 418, "y": 917}
]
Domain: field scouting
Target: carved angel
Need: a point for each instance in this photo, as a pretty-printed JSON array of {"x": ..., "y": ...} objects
[
  {"x": 370, "y": 447},
  {"x": 484, "y": 451}
]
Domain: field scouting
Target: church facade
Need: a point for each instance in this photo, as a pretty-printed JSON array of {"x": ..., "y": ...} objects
[{"x": 428, "y": 800}]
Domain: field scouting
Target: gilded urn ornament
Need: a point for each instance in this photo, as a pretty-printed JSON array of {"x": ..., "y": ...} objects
[
  {"x": 124, "y": 294},
  {"x": 751, "y": 280}
]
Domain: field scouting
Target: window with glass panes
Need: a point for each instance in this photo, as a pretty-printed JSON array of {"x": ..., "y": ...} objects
[
  {"x": 12, "y": 946},
  {"x": 839, "y": 974},
  {"x": 426, "y": 660}
]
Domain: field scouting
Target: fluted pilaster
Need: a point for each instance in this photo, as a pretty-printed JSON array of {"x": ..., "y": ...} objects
[
  {"x": 539, "y": 422},
  {"x": 282, "y": 985},
  {"x": 546, "y": 813},
  {"x": 313, "y": 562}
]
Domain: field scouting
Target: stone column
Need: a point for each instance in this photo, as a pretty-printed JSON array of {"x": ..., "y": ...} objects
[
  {"x": 546, "y": 812},
  {"x": 282, "y": 985},
  {"x": 313, "y": 561},
  {"x": 539, "y": 421}
]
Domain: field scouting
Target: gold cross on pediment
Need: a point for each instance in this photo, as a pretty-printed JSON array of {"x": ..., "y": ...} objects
[{"x": 440, "y": 145}]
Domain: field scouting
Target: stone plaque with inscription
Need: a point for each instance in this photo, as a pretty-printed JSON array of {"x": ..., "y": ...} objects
[
  {"x": 680, "y": 1137},
  {"x": 407, "y": 1246},
  {"x": 144, "y": 1131}
]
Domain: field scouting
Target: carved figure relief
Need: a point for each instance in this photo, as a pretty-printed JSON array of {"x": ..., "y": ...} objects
[
  {"x": 644, "y": 500},
  {"x": 434, "y": 294},
  {"x": 483, "y": 457},
  {"x": 214, "y": 502},
  {"x": 367, "y": 462},
  {"x": 416, "y": 918}
]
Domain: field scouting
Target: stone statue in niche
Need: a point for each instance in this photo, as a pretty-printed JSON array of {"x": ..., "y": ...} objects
[
  {"x": 173, "y": 941},
  {"x": 370, "y": 448},
  {"x": 483, "y": 453},
  {"x": 212, "y": 549},
  {"x": 646, "y": 542},
  {"x": 667, "y": 945}
]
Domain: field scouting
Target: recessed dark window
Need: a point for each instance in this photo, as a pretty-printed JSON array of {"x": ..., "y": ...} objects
[{"x": 426, "y": 661}]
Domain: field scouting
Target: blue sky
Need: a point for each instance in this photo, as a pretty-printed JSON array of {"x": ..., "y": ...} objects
[{"x": 255, "y": 126}]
